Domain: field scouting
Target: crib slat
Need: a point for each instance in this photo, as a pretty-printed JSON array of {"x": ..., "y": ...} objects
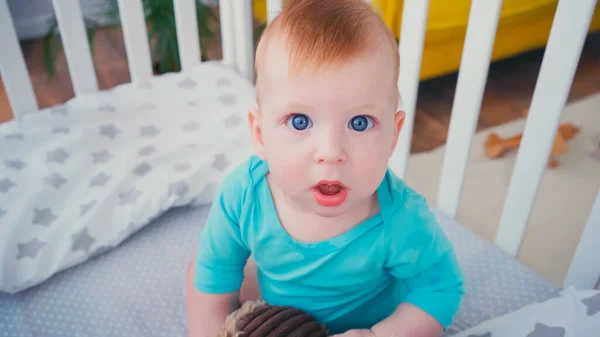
[
  {"x": 567, "y": 35},
  {"x": 136, "y": 39},
  {"x": 227, "y": 31},
  {"x": 412, "y": 37},
  {"x": 479, "y": 42},
  {"x": 244, "y": 39},
  {"x": 584, "y": 270},
  {"x": 274, "y": 7},
  {"x": 76, "y": 46},
  {"x": 13, "y": 68},
  {"x": 188, "y": 40}
]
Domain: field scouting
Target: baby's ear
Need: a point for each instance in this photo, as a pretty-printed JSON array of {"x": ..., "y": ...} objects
[
  {"x": 256, "y": 131},
  {"x": 399, "y": 118}
]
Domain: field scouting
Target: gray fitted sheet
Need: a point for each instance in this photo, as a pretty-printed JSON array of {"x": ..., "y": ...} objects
[{"x": 137, "y": 289}]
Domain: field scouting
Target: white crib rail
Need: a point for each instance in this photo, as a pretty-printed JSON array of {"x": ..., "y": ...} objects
[
  {"x": 13, "y": 68},
  {"x": 75, "y": 42},
  {"x": 274, "y": 7},
  {"x": 567, "y": 35},
  {"x": 412, "y": 38},
  {"x": 472, "y": 76},
  {"x": 136, "y": 40},
  {"x": 244, "y": 46},
  {"x": 227, "y": 31},
  {"x": 188, "y": 40},
  {"x": 584, "y": 270}
]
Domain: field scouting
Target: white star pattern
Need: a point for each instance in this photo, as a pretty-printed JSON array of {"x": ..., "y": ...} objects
[
  {"x": 227, "y": 99},
  {"x": 29, "y": 249},
  {"x": 109, "y": 131},
  {"x": 58, "y": 156},
  {"x": 149, "y": 131},
  {"x": 232, "y": 121},
  {"x": 15, "y": 164},
  {"x": 82, "y": 241},
  {"x": 43, "y": 216},
  {"x": 220, "y": 162},
  {"x": 187, "y": 83},
  {"x": 142, "y": 169},
  {"x": 99, "y": 180},
  {"x": 101, "y": 157},
  {"x": 6, "y": 185}
]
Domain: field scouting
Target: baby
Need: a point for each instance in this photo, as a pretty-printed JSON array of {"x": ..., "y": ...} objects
[{"x": 316, "y": 219}]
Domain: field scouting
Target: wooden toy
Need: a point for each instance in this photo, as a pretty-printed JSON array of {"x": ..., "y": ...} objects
[{"x": 496, "y": 147}]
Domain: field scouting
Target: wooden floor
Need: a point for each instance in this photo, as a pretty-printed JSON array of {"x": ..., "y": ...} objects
[{"x": 509, "y": 88}]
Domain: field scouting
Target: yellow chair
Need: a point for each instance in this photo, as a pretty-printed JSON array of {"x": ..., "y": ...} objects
[{"x": 523, "y": 26}]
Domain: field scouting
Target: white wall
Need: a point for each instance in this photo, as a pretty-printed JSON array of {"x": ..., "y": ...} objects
[{"x": 32, "y": 17}]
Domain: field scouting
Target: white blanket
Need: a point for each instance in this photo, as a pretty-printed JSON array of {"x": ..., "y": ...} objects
[
  {"x": 79, "y": 178},
  {"x": 575, "y": 313}
]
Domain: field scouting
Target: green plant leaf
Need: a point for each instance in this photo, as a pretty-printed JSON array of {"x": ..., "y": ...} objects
[
  {"x": 50, "y": 47},
  {"x": 91, "y": 27}
]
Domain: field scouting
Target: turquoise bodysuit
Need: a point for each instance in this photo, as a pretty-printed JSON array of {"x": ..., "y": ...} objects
[{"x": 351, "y": 281}]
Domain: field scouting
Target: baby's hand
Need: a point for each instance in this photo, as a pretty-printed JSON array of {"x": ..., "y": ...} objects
[{"x": 356, "y": 333}]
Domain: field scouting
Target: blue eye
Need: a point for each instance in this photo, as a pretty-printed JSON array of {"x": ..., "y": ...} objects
[
  {"x": 360, "y": 123},
  {"x": 299, "y": 122}
]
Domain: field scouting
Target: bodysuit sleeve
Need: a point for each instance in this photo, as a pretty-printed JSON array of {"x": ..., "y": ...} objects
[
  {"x": 222, "y": 252},
  {"x": 420, "y": 255}
]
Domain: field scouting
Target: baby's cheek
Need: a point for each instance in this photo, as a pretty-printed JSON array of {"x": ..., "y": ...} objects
[{"x": 372, "y": 165}]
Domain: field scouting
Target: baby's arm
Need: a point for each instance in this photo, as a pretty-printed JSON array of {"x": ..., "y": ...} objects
[
  {"x": 207, "y": 312},
  {"x": 421, "y": 256},
  {"x": 408, "y": 321},
  {"x": 218, "y": 269},
  {"x": 433, "y": 300}
]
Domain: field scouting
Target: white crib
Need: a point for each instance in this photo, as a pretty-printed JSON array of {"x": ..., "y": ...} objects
[{"x": 559, "y": 63}]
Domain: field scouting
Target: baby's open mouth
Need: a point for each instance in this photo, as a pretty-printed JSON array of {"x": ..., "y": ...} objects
[
  {"x": 329, "y": 189},
  {"x": 329, "y": 193}
]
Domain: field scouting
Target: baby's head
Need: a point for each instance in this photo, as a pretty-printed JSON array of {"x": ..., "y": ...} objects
[{"x": 327, "y": 98}]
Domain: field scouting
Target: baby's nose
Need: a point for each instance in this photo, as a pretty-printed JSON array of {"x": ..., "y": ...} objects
[{"x": 330, "y": 151}]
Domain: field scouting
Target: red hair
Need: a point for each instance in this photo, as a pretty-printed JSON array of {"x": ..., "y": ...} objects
[{"x": 329, "y": 32}]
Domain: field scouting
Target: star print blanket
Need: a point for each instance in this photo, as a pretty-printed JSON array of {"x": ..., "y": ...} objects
[
  {"x": 77, "y": 179},
  {"x": 574, "y": 313}
]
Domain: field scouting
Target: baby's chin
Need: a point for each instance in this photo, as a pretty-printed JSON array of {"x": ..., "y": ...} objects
[{"x": 329, "y": 212}]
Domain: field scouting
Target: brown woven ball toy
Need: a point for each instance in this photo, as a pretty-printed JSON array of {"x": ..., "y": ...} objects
[{"x": 259, "y": 319}]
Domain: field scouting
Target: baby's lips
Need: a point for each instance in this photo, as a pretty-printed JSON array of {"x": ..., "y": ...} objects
[
  {"x": 330, "y": 183},
  {"x": 330, "y": 189}
]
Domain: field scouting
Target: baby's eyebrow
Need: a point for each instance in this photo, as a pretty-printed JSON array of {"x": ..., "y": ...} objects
[
  {"x": 365, "y": 106},
  {"x": 297, "y": 106},
  {"x": 362, "y": 107}
]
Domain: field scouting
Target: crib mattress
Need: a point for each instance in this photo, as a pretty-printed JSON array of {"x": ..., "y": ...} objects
[{"x": 137, "y": 289}]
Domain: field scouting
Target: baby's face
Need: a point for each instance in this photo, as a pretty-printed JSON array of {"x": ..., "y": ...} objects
[{"x": 327, "y": 134}]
